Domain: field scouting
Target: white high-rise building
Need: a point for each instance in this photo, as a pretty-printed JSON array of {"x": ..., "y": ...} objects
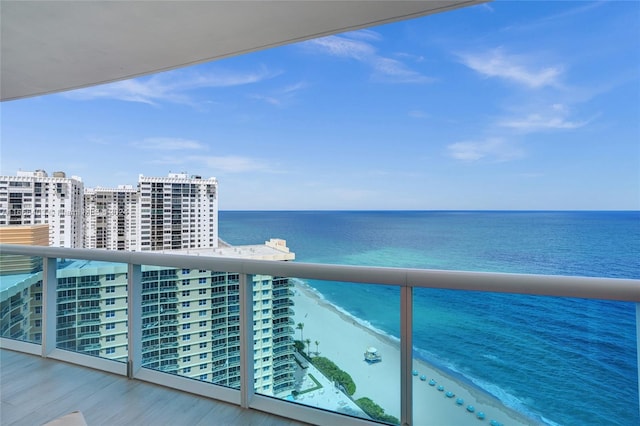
[
  {"x": 177, "y": 212},
  {"x": 32, "y": 198},
  {"x": 111, "y": 218}
]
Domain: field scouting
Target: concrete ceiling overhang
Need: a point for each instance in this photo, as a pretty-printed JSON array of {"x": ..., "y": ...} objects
[{"x": 51, "y": 46}]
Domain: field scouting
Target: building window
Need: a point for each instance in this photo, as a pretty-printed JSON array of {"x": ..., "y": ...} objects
[
  {"x": 203, "y": 345},
  {"x": 185, "y": 304},
  {"x": 202, "y": 302},
  {"x": 110, "y": 289},
  {"x": 186, "y": 370},
  {"x": 38, "y": 296},
  {"x": 203, "y": 313},
  {"x": 203, "y": 366},
  {"x": 110, "y": 314},
  {"x": 186, "y": 337},
  {"x": 186, "y": 359},
  {"x": 185, "y": 282},
  {"x": 186, "y": 326},
  {"x": 38, "y": 323},
  {"x": 111, "y": 351},
  {"x": 186, "y": 348},
  {"x": 202, "y": 323},
  {"x": 110, "y": 339},
  {"x": 111, "y": 301},
  {"x": 203, "y": 334},
  {"x": 186, "y": 315},
  {"x": 202, "y": 291},
  {"x": 203, "y": 376},
  {"x": 110, "y": 277},
  {"x": 185, "y": 271},
  {"x": 110, "y": 326},
  {"x": 185, "y": 293},
  {"x": 38, "y": 309},
  {"x": 203, "y": 356}
]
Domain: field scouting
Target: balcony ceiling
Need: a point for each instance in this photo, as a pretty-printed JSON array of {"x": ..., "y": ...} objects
[{"x": 51, "y": 46}]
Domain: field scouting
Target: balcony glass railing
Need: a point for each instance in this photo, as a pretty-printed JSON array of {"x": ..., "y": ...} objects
[
  {"x": 21, "y": 298},
  {"x": 436, "y": 348},
  {"x": 344, "y": 361},
  {"x": 90, "y": 304}
]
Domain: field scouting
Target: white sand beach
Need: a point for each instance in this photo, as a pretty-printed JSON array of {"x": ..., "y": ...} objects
[{"x": 344, "y": 341}]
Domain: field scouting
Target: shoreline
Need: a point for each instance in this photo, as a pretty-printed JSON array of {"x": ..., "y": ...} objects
[{"x": 322, "y": 320}]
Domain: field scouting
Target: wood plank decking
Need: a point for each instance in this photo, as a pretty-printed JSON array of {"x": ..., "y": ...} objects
[{"x": 35, "y": 390}]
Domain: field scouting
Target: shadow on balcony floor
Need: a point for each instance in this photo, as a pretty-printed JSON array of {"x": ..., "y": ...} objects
[{"x": 35, "y": 390}]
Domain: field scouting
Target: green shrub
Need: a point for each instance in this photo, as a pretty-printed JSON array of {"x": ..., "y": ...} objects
[
  {"x": 334, "y": 373},
  {"x": 375, "y": 411}
]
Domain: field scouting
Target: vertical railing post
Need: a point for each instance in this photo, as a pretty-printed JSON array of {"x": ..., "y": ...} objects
[
  {"x": 406, "y": 355},
  {"x": 49, "y": 314},
  {"x": 134, "y": 309},
  {"x": 638, "y": 349},
  {"x": 247, "y": 388}
]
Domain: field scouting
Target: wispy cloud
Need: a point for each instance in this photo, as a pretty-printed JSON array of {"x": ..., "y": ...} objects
[
  {"x": 168, "y": 144},
  {"x": 171, "y": 86},
  {"x": 359, "y": 46},
  {"x": 494, "y": 149},
  {"x": 219, "y": 164},
  {"x": 282, "y": 96},
  {"x": 416, "y": 113},
  {"x": 553, "y": 118},
  {"x": 344, "y": 47},
  {"x": 583, "y": 7},
  {"x": 519, "y": 69}
]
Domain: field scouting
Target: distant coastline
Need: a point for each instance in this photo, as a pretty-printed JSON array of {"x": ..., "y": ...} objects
[{"x": 428, "y": 400}]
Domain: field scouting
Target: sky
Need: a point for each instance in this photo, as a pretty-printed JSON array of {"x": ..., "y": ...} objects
[{"x": 510, "y": 105}]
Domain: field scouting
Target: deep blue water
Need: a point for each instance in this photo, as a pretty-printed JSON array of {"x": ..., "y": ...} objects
[{"x": 565, "y": 361}]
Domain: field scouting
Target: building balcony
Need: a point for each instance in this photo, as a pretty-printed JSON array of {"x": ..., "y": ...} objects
[
  {"x": 404, "y": 286},
  {"x": 279, "y": 303},
  {"x": 283, "y": 312}
]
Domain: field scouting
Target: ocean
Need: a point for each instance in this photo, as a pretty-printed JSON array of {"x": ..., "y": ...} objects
[{"x": 556, "y": 360}]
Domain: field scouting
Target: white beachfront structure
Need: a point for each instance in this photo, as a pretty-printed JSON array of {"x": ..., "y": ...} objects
[
  {"x": 177, "y": 211},
  {"x": 33, "y": 198},
  {"x": 111, "y": 218}
]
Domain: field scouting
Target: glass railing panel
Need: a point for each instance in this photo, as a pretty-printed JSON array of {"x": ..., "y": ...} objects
[
  {"x": 346, "y": 350},
  {"x": 91, "y": 308},
  {"x": 191, "y": 324},
  {"x": 21, "y": 297},
  {"x": 518, "y": 359}
]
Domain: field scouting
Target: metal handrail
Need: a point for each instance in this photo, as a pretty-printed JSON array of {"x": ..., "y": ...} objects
[{"x": 627, "y": 290}]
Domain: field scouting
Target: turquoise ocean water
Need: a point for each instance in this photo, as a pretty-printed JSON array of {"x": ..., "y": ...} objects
[{"x": 559, "y": 361}]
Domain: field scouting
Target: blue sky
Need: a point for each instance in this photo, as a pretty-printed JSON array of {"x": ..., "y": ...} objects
[{"x": 508, "y": 105}]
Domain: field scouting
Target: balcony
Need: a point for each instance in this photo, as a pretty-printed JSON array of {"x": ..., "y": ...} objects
[{"x": 403, "y": 284}]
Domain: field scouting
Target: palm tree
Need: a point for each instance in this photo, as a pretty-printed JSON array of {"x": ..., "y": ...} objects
[
  {"x": 300, "y": 326},
  {"x": 308, "y": 342},
  {"x": 317, "y": 344}
]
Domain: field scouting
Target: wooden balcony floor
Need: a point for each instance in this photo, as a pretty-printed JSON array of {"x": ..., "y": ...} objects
[{"x": 35, "y": 390}]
